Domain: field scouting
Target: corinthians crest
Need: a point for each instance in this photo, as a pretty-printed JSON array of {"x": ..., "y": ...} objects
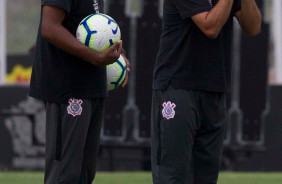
[
  {"x": 75, "y": 108},
  {"x": 168, "y": 110}
]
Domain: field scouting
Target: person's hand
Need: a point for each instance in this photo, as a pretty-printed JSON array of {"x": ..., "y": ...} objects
[
  {"x": 125, "y": 81},
  {"x": 110, "y": 55}
]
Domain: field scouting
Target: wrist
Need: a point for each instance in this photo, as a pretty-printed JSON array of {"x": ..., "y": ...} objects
[
  {"x": 99, "y": 58},
  {"x": 93, "y": 57}
]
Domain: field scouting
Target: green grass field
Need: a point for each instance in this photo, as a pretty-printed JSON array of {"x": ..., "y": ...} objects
[{"x": 143, "y": 178}]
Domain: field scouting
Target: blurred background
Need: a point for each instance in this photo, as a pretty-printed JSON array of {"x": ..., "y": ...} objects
[{"x": 254, "y": 137}]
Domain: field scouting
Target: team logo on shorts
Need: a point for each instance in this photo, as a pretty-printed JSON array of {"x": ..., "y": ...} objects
[
  {"x": 74, "y": 108},
  {"x": 168, "y": 110}
]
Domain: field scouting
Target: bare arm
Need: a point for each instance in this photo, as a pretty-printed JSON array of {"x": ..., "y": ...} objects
[
  {"x": 212, "y": 22},
  {"x": 53, "y": 31},
  {"x": 249, "y": 17}
]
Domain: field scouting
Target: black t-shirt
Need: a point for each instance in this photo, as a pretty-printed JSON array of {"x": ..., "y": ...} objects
[
  {"x": 187, "y": 58},
  {"x": 57, "y": 75}
]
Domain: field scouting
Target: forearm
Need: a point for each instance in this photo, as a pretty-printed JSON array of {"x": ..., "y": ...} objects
[
  {"x": 64, "y": 40},
  {"x": 250, "y": 17},
  {"x": 54, "y": 32},
  {"x": 212, "y": 22},
  {"x": 220, "y": 14}
]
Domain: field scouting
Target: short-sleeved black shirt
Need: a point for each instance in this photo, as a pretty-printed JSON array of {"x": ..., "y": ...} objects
[
  {"x": 57, "y": 75},
  {"x": 187, "y": 58}
]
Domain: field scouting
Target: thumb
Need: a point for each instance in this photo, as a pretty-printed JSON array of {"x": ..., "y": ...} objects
[
  {"x": 120, "y": 47},
  {"x": 115, "y": 46}
]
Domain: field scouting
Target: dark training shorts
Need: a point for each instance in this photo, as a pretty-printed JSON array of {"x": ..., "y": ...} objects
[
  {"x": 188, "y": 130},
  {"x": 72, "y": 140}
]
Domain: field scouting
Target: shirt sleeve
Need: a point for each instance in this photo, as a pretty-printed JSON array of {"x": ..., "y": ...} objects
[
  {"x": 188, "y": 8},
  {"x": 64, "y": 4}
]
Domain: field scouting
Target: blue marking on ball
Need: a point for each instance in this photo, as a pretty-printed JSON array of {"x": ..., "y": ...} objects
[
  {"x": 109, "y": 19},
  {"x": 89, "y": 32},
  {"x": 111, "y": 42},
  {"x": 114, "y": 31},
  {"x": 121, "y": 76}
]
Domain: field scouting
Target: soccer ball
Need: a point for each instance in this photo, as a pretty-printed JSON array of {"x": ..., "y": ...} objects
[
  {"x": 116, "y": 73},
  {"x": 98, "y": 32}
]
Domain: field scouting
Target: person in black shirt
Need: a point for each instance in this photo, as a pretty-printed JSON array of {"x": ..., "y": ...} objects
[
  {"x": 71, "y": 79},
  {"x": 191, "y": 77}
]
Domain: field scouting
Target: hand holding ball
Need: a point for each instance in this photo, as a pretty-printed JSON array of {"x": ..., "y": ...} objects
[{"x": 99, "y": 32}]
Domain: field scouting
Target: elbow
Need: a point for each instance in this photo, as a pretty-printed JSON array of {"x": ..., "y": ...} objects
[
  {"x": 211, "y": 33},
  {"x": 211, "y": 30},
  {"x": 254, "y": 28},
  {"x": 255, "y": 31},
  {"x": 46, "y": 31},
  {"x": 210, "y": 27}
]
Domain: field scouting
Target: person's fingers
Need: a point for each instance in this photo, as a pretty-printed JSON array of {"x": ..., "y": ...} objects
[
  {"x": 125, "y": 81},
  {"x": 126, "y": 62},
  {"x": 114, "y": 47},
  {"x": 116, "y": 55},
  {"x": 112, "y": 54},
  {"x": 120, "y": 47},
  {"x": 127, "y": 65},
  {"x": 116, "y": 50}
]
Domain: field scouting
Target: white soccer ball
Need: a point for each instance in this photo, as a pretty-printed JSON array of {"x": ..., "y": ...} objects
[
  {"x": 98, "y": 32},
  {"x": 116, "y": 73}
]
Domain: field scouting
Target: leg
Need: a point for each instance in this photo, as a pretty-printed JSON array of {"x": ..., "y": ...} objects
[
  {"x": 209, "y": 138},
  {"x": 92, "y": 142},
  {"x": 65, "y": 140},
  {"x": 53, "y": 116},
  {"x": 172, "y": 138}
]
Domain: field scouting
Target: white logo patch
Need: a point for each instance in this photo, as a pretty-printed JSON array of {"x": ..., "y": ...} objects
[
  {"x": 168, "y": 110},
  {"x": 75, "y": 108}
]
